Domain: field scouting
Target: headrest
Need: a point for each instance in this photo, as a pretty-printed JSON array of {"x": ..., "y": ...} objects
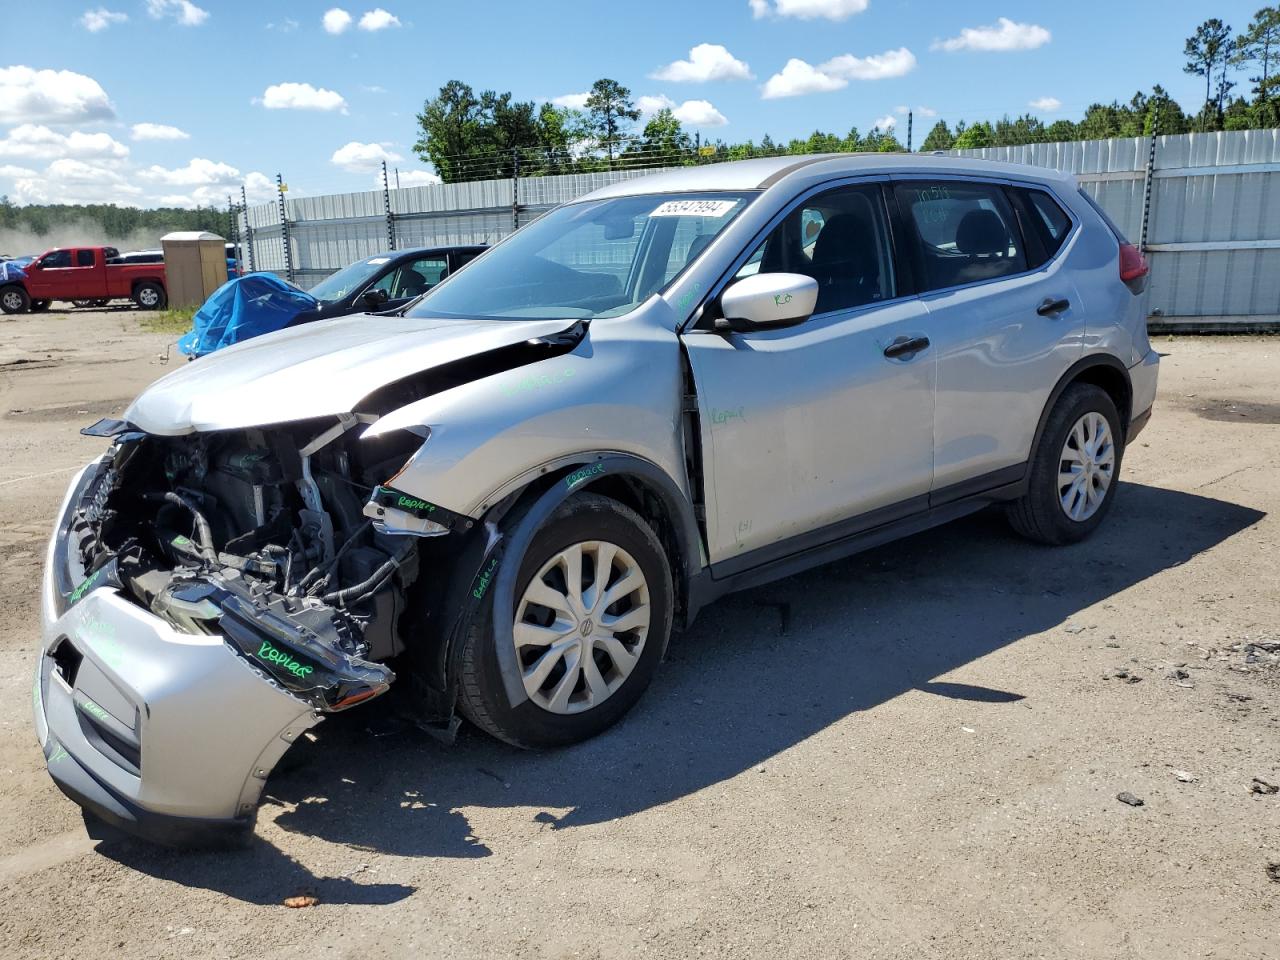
[
  {"x": 982, "y": 233},
  {"x": 845, "y": 237}
]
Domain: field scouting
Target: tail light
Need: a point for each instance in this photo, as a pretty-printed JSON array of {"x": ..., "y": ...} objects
[{"x": 1133, "y": 267}]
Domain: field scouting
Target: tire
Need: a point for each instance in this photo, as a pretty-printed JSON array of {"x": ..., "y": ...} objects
[
  {"x": 149, "y": 296},
  {"x": 99, "y": 303},
  {"x": 39, "y": 306},
  {"x": 82, "y": 303},
  {"x": 593, "y": 524},
  {"x": 14, "y": 299},
  {"x": 1053, "y": 510}
]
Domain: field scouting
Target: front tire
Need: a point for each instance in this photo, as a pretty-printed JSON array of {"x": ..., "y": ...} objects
[
  {"x": 1074, "y": 470},
  {"x": 592, "y": 618},
  {"x": 150, "y": 296},
  {"x": 14, "y": 300}
]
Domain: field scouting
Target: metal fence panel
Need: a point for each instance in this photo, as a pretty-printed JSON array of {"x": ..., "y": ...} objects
[{"x": 1213, "y": 231}]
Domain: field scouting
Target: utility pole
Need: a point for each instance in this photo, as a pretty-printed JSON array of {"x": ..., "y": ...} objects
[
  {"x": 248, "y": 230},
  {"x": 910, "y": 119},
  {"x": 233, "y": 234},
  {"x": 515, "y": 189},
  {"x": 397, "y": 178},
  {"x": 386, "y": 209},
  {"x": 284, "y": 229},
  {"x": 1147, "y": 180}
]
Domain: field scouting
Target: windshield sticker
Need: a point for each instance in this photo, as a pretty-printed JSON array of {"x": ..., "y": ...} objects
[{"x": 694, "y": 208}]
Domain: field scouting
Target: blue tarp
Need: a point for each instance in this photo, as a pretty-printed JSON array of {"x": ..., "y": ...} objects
[
  {"x": 242, "y": 308},
  {"x": 11, "y": 272}
]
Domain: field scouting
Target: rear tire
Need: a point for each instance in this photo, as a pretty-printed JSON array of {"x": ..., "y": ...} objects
[
  {"x": 596, "y": 672},
  {"x": 149, "y": 296},
  {"x": 14, "y": 300},
  {"x": 1074, "y": 470}
]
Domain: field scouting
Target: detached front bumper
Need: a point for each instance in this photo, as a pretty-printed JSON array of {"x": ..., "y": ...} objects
[{"x": 167, "y": 735}]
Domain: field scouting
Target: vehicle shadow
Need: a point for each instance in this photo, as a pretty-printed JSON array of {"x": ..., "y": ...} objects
[{"x": 759, "y": 672}]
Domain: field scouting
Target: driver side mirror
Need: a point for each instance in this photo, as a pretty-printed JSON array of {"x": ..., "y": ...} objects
[
  {"x": 375, "y": 297},
  {"x": 767, "y": 300}
]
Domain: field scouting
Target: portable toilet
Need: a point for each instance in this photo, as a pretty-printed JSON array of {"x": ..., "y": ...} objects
[{"x": 195, "y": 265}]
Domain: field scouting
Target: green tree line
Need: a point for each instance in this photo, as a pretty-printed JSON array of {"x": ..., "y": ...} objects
[{"x": 103, "y": 222}]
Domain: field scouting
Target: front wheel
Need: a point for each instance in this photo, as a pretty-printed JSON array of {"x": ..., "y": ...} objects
[
  {"x": 14, "y": 300},
  {"x": 149, "y": 296},
  {"x": 1074, "y": 470},
  {"x": 591, "y": 620}
]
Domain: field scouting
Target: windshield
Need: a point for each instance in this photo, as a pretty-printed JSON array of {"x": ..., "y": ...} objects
[
  {"x": 349, "y": 279},
  {"x": 586, "y": 260}
]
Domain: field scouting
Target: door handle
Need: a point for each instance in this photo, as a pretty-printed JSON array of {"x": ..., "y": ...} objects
[
  {"x": 1051, "y": 307},
  {"x": 906, "y": 347}
]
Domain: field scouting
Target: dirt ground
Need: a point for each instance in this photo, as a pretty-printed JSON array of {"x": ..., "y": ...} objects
[{"x": 913, "y": 753}]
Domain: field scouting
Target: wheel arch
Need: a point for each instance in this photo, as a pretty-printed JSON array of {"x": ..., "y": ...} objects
[
  {"x": 1102, "y": 370},
  {"x": 508, "y": 526}
]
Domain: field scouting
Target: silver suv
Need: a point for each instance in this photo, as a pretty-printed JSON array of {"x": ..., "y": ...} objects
[{"x": 509, "y": 493}]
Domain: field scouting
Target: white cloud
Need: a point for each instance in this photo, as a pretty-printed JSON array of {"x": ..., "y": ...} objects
[
  {"x": 98, "y": 20},
  {"x": 378, "y": 19},
  {"x": 373, "y": 88},
  {"x": 886, "y": 123},
  {"x": 287, "y": 25},
  {"x": 808, "y": 9},
  {"x": 259, "y": 187},
  {"x": 31, "y": 142},
  {"x": 699, "y": 113},
  {"x": 183, "y": 11},
  {"x": 574, "y": 101},
  {"x": 926, "y": 111},
  {"x": 1047, "y": 104},
  {"x": 891, "y": 63},
  {"x": 1004, "y": 34},
  {"x": 707, "y": 61},
  {"x": 799, "y": 77},
  {"x": 69, "y": 180},
  {"x": 51, "y": 96},
  {"x": 12, "y": 171},
  {"x": 335, "y": 20},
  {"x": 302, "y": 96},
  {"x": 158, "y": 131},
  {"x": 356, "y": 156},
  {"x": 197, "y": 173},
  {"x": 407, "y": 178},
  {"x": 649, "y": 105}
]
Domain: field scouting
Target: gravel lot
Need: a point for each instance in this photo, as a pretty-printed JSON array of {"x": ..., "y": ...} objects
[{"x": 913, "y": 753}]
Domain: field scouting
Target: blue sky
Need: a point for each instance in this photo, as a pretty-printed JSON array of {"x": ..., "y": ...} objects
[{"x": 180, "y": 101}]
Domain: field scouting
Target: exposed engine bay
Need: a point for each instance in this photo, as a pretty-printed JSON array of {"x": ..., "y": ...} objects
[{"x": 261, "y": 535}]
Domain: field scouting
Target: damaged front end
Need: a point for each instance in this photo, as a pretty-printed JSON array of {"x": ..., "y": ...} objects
[
  {"x": 208, "y": 597},
  {"x": 260, "y": 536}
]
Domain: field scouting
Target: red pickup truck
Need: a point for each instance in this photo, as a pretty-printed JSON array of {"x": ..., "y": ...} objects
[{"x": 82, "y": 273}]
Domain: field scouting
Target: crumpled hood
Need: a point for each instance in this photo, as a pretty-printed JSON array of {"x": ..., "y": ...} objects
[{"x": 315, "y": 370}]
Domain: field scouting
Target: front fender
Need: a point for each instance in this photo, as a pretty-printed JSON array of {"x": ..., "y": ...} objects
[{"x": 618, "y": 391}]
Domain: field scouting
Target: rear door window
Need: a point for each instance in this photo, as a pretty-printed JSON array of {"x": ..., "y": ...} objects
[
  {"x": 965, "y": 232},
  {"x": 84, "y": 258}
]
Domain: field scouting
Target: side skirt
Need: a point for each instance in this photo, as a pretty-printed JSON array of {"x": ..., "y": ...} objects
[{"x": 848, "y": 537}]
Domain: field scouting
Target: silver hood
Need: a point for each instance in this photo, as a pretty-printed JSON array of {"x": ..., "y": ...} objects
[{"x": 315, "y": 370}]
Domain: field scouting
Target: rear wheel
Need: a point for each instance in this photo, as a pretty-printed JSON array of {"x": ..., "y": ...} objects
[
  {"x": 149, "y": 296},
  {"x": 1074, "y": 470},
  {"x": 592, "y": 617},
  {"x": 14, "y": 300}
]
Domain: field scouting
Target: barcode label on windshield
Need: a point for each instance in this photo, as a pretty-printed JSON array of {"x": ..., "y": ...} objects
[{"x": 694, "y": 208}]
